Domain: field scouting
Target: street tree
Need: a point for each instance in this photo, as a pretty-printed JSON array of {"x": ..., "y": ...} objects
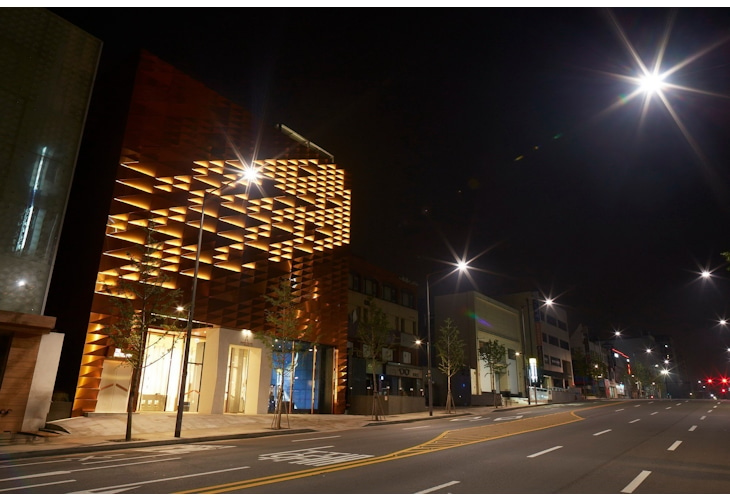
[
  {"x": 642, "y": 376},
  {"x": 141, "y": 301},
  {"x": 451, "y": 355},
  {"x": 493, "y": 354},
  {"x": 284, "y": 339},
  {"x": 374, "y": 336},
  {"x": 590, "y": 366}
]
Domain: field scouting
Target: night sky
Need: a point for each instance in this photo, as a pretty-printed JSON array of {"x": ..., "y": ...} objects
[{"x": 502, "y": 133}]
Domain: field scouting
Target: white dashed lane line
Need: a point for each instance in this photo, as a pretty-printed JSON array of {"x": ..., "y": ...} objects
[
  {"x": 544, "y": 451},
  {"x": 636, "y": 482}
]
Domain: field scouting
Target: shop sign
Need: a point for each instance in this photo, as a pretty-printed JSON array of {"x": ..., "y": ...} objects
[{"x": 403, "y": 371}]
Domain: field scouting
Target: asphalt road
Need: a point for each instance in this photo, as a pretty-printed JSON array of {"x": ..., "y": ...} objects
[{"x": 662, "y": 446}]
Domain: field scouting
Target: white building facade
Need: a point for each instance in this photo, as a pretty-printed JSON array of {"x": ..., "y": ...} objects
[{"x": 481, "y": 319}]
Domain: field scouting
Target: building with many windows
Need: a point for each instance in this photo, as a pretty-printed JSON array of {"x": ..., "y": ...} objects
[
  {"x": 547, "y": 340},
  {"x": 400, "y": 375}
]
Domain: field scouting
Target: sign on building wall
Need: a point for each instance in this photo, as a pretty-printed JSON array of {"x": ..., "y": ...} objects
[{"x": 403, "y": 371}]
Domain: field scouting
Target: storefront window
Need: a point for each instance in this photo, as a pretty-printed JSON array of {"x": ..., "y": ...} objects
[
  {"x": 303, "y": 395},
  {"x": 162, "y": 370}
]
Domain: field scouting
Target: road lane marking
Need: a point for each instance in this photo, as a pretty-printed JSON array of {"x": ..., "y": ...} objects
[
  {"x": 313, "y": 439},
  {"x": 508, "y": 418},
  {"x": 88, "y": 464},
  {"x": 634, "y": 421},
  {"x": 655, "y": 413},
  {"x": 33, "y": 476},
  {"x": 37, "y": 485},
  {"x": 709, "y": 411},
  {"x": 174, "y": 478},
  {"x": 92, "y": 457},
  {"x": 691, "y": 429},
  {"x": 177, "y": 449},
  {"x": 668, "y": 408},
  {"x": 446, "y": 440},
  {"x": 636, "y": 482},
  {"x": 674, "y": 446},
  {"x": 602, "y": 432},
  {"x": 417, "y": 427},
  {"x": 636, "y": 406},
  {"x": 85, "y": 469},
  {"x": 439, "y": 487},
  {"x": 314, "y": 457},
  {"x": 35, "y": 463},
  {"x": 621, "y": 409},
  {"x": 544, "y": 451},
  {"x": 703, "y": 417}
]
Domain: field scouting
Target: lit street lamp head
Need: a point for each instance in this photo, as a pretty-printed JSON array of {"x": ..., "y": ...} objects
[
  {"x": 651, "y": 83},
  {"x": 250, "y": 174}
]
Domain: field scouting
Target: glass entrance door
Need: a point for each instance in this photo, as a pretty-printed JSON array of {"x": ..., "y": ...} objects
[{"x": 237, "y": 377}]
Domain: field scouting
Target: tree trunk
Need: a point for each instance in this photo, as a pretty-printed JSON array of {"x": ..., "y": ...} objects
[
  {"x": 377, "y": 409},
  {"x": 449, "y": 396},
  {"x": 291, "y": 380},
  {"x": 132, "y": 400},
  {"x": 276, "y": 422}
]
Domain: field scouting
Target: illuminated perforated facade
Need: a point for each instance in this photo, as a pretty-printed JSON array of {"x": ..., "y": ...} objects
[{"x": 182, "y": 144}]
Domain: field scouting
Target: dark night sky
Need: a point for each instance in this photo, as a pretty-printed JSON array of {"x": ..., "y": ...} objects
[{"x": 428, "y": 108}]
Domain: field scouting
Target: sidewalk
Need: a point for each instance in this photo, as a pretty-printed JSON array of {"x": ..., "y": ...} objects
[{"x": 100, "y": 432}]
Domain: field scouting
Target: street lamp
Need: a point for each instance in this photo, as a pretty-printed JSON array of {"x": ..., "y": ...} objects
[
  {"x": 524, "y": 354},
  {"x": 249, "y": 174},
  {"x": 461, "y": 266}
]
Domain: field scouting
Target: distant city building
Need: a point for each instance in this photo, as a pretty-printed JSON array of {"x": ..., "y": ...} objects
[
  {"x": 48, "y": 73},
  {"x": 547, "y": 339},
  {"x": 656, "y": 354},
  {"x": 591, "y": 364}
]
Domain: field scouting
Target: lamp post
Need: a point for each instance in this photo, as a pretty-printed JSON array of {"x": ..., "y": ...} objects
[
  {"x": 249, "y": 174},
  {"x": 524, "y": 355},
  {"x": 429, "y": 381},
  {"x": 460, "y": 267}
]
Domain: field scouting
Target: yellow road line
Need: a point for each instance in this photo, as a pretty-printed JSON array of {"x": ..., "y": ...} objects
[{"x": 446, "y": 440}]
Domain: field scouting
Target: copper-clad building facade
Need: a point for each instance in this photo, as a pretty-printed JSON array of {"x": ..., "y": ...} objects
[{"x": 183, "y": 143}]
